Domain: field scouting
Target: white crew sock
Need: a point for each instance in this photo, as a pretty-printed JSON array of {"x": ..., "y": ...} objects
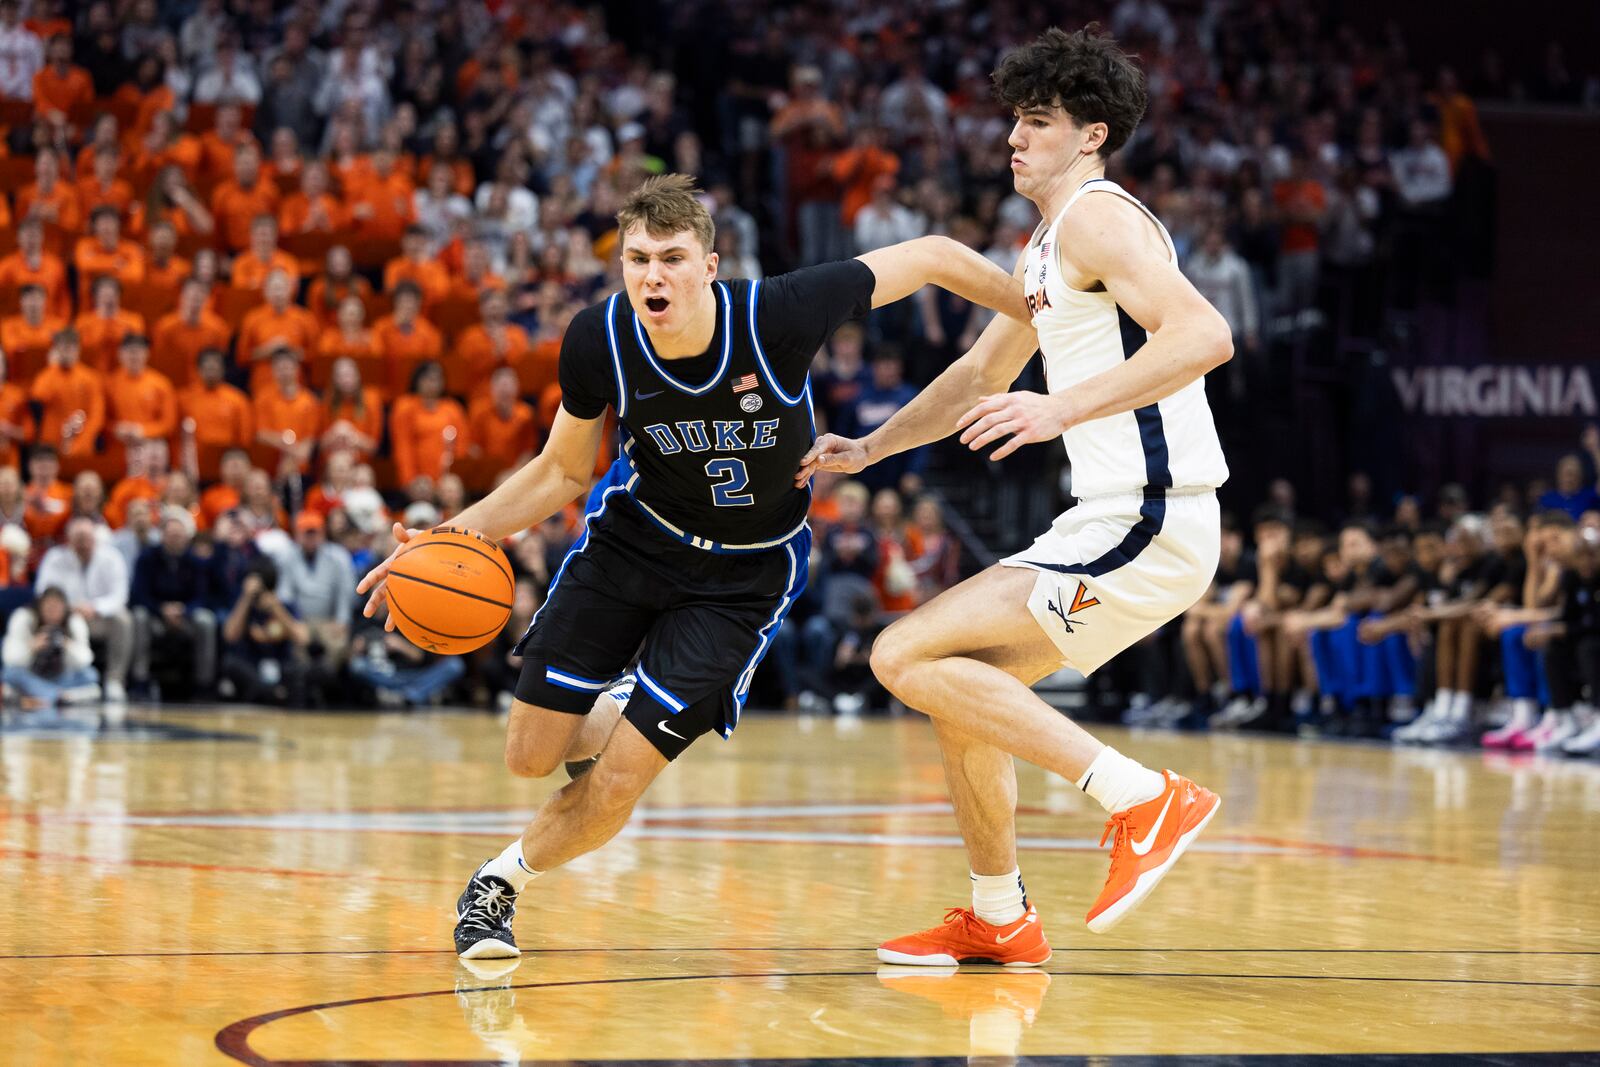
[
  {"x": 1440, "y": 708},
  {"x": 1460, "y": 709},
  {"x": 998, "y": 899},
  {"x": 512, "y": 867},
  {"x": 1118, "y": 783}
]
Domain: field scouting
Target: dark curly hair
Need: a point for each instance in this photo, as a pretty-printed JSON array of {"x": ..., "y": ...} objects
[{"x": 1084, "y": 73}]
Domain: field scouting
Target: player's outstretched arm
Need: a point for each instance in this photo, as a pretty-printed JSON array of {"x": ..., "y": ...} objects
[
  {"x": 992, "y": 364},
  {"x": 1112, "y": 240},
  {"x": 904, "y": 268},
  {"x": 546, "y": 483}
]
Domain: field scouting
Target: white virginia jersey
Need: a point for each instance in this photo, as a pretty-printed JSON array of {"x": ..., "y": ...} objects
[{"x": 1171, "y": 443}]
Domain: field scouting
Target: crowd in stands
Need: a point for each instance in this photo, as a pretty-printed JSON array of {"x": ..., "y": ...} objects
[{"x": 275, "y": 274}]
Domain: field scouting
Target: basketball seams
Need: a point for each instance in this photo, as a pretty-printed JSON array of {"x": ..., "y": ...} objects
[
  {"x": 496, "y": 557},
  {"x": 441, "y": 633},
  {"x": 448, "y": 588}
]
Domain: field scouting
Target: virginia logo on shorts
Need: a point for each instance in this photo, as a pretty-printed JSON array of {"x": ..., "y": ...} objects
[{"x": 1081, "y": 601}]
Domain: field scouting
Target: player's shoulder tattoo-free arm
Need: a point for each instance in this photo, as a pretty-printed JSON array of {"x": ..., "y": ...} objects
[{"x": 901, "y": 269}]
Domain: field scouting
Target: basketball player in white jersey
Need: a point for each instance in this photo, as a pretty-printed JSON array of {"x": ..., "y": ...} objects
[{"x": 1126, "y": 341}]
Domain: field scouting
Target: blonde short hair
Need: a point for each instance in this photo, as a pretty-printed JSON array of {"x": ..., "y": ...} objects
[{"x": 668, "y": 204}]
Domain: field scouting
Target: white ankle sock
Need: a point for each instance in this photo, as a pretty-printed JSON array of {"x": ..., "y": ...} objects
[
  {"x": 1118, "y": 783},
  {"x": 512, "y": 867},
  {"x": 1524, "y": 713},
  {"x": 1460, "y": 709},
  {"x": 999, "y": 899}
]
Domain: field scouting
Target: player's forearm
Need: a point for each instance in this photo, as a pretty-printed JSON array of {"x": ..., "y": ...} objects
[
  {"x": 1173, "y": 357},
  {"x": 931, "y": 416},
  {"x": 904, "y": 268},
  {"x": 525, "y": 499}
]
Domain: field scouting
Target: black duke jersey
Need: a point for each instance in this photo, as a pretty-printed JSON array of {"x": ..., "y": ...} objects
[{"x": 713, "y": 441}]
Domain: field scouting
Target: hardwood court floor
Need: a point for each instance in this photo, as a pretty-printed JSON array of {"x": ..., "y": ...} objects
[{"x": 273, "y": 888}]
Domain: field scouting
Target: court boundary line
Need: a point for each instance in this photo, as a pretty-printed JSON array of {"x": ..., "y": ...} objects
[{"x": 233, "y": 1040}]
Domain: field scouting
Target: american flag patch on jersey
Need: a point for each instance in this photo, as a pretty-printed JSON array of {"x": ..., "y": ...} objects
[{"x": 746, "y": 383}]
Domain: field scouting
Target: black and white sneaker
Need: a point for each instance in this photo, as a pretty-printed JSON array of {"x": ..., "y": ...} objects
[{"x": 483, "y": 919}]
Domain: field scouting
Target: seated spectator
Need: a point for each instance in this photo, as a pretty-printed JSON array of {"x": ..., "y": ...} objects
[
  {"x": 887, "y": 394},
  {"x": 164, "y": 270},
  {"x": 140, "y": 403},
  {"x": 505, "y": 431},
  {"x": 898, "y": 544},
  {"x": 146, "y": 477},
  {"x": 95, "y": 580},
  {"x": 288, "y": 417},
  {"x": 138, "y": 533},
  {"x": 285, "y": 164},
  {"x": 263, "y": 644},
  {"x": 938, "y": 566},
  {"x": 476, "y": 274},
  {"x": 401, "y": 673},
  {"x": 238, "y": 202},
  {"x": 260, "y": 510},
  {"x": 252, "y": 266},
  {"x": 181, "y": 335},
  {"x": 175, "y": 632},
  {"x": 46, "y": 654},
  {"x": 25, "y": 338},
  {"x": 416, "y": 265},
  {"x": 353, "y": 412},
  {"x": 171, "y": 202},
  {"x": 50, "y": 200},
  {"x": 34, "y": 264},
  {"x": 338, "y": 477},
  {"x": 62, "y": 86},
  {"x": 16, "y": 420},
  {"x": 274, "y": 325},
  {"x": 381, "y": 207},
  {"x": 349, "y": 339},
  {"x": 180, "y": 495},
  {"x": 89, "y": 498},
  {"x": 337, "y": 283},
  {"x": 166, "y": 145},
  {"x": 72, "y": 399},
  {"x": 853, "y": 684},
  {"x": 318, "y": 583},
  {"x": 1575, "y": 491},
  {"x": 228, "y": 492},
  {"x": 493, "y": 343},
  {"x": 450, "y": 494},
  {"x": 49, "y": 499},
  {"x": 102, "y": 327},
  {"x": 1204, "y": 630},
  {"x": 427, "y": 430},
  {"x": 223, "y": 417},
  {"x": 314, "y": 208},
  {"x": 405, "y": 338},
  {"x": 102, "y": 188},
  {"x": 220, "y": 146}
]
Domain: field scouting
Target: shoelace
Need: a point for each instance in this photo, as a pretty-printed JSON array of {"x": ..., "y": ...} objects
[
  {"x": 489, "y": 904},
  {"x": 1116, "y": 825},
  {"x": 965, "y": 918}
]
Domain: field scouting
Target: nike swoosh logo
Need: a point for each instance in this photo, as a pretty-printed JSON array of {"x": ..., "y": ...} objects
[
  {"x": 1142, "y": 847},
  {"x": 1002, "y": 940},
  {"x": 646, "y": 396},
  {"x": 664, "y": 728}
]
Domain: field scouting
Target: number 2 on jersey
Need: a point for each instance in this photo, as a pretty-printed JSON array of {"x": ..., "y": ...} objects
[{"x": 728, "y": 494}]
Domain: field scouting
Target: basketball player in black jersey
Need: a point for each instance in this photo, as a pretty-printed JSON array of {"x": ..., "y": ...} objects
[{"x": 696, "y": 546}]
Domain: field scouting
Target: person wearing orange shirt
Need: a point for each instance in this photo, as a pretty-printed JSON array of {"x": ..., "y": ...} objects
[
  {"x": 148, "y": 94},
  {"x": 73, "y": 398},
  {"x": 49, "y": 499},
  {"x": 405, "y": 338},
  {"x": 351, "y": 340},
  {"x": 165, "y": 145},
  {"x": 477, "y": 273},
  {"x": 16, "y": 420},
  {"x": 104, "y": 254},
  {"x": 140, "y": 403},
  {"x": 148, "y": 465},
  {"x": 164, "y": 270},
  {"x": 103, "y": 188},
  {"x": 102, "y": 328},
  {"x": 219, "y": 147},
  {"x": 312, "y": 208},
  {"x": 222, "y": 416},
  {"x": 288, "y": 417},
  {"x": 383, "y": 205},
  {"x": 32, "y": 264},
  {"x": 447, "y": 152},
  {"x": 427, "y": 430},
  {"x": 105, "y": 140},
  {"x": 415, "y": 267},
  {"x": 61, "y": 85},
  {"x": 338, "y": 478},
  {"x": 505, "y": 430},
  {"x": 25, "y": 339},
  {"x": 171, "y": 202},
  {"x": 275, "y": 323},
  {"x": 493, "y": 343},
  {"x": 229, "y": 490},
  {"x": 237, "y": 203},
  {"x": 49, "y": 198},
  {"x": 183, "y": 334},
  {"x": 337, "y": 281},
  {"x": 285, "y": 165},
  {"x": 350, "y": 167},
  {"x": 352, "y": 413},
  {"x": 251, "y": 267}
]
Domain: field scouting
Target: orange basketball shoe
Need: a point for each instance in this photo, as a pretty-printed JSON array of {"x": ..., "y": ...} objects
[
  {"x": 1149, "y": 839},
  {"x": 965, "y": 938}
]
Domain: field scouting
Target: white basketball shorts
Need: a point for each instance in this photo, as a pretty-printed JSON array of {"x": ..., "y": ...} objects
[{"x": 1115, "y": 568}]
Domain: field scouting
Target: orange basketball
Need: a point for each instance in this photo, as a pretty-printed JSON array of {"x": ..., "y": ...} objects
[{"x": 451, "y": 591}]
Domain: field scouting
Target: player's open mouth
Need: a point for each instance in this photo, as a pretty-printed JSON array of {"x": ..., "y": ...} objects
[{"x": 656, "y": 305}]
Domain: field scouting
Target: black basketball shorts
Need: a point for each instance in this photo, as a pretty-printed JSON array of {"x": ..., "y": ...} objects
[{"x": 698, "y": 621}]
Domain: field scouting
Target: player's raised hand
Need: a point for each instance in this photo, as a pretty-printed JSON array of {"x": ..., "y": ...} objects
[
  {"x": 377, "y": 577},
  {"x": 830, "y": 452},
  {"x": 1028, "y": 418}
]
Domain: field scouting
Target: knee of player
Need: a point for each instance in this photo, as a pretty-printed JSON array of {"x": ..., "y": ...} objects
[
  {"x": 613, "y": 791},
  {"x": 894, "y": 656},
  {"x": 526, "y": 761}
]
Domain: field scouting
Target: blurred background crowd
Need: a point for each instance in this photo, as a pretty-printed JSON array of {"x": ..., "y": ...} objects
[{"x": 273, "y": 275}]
